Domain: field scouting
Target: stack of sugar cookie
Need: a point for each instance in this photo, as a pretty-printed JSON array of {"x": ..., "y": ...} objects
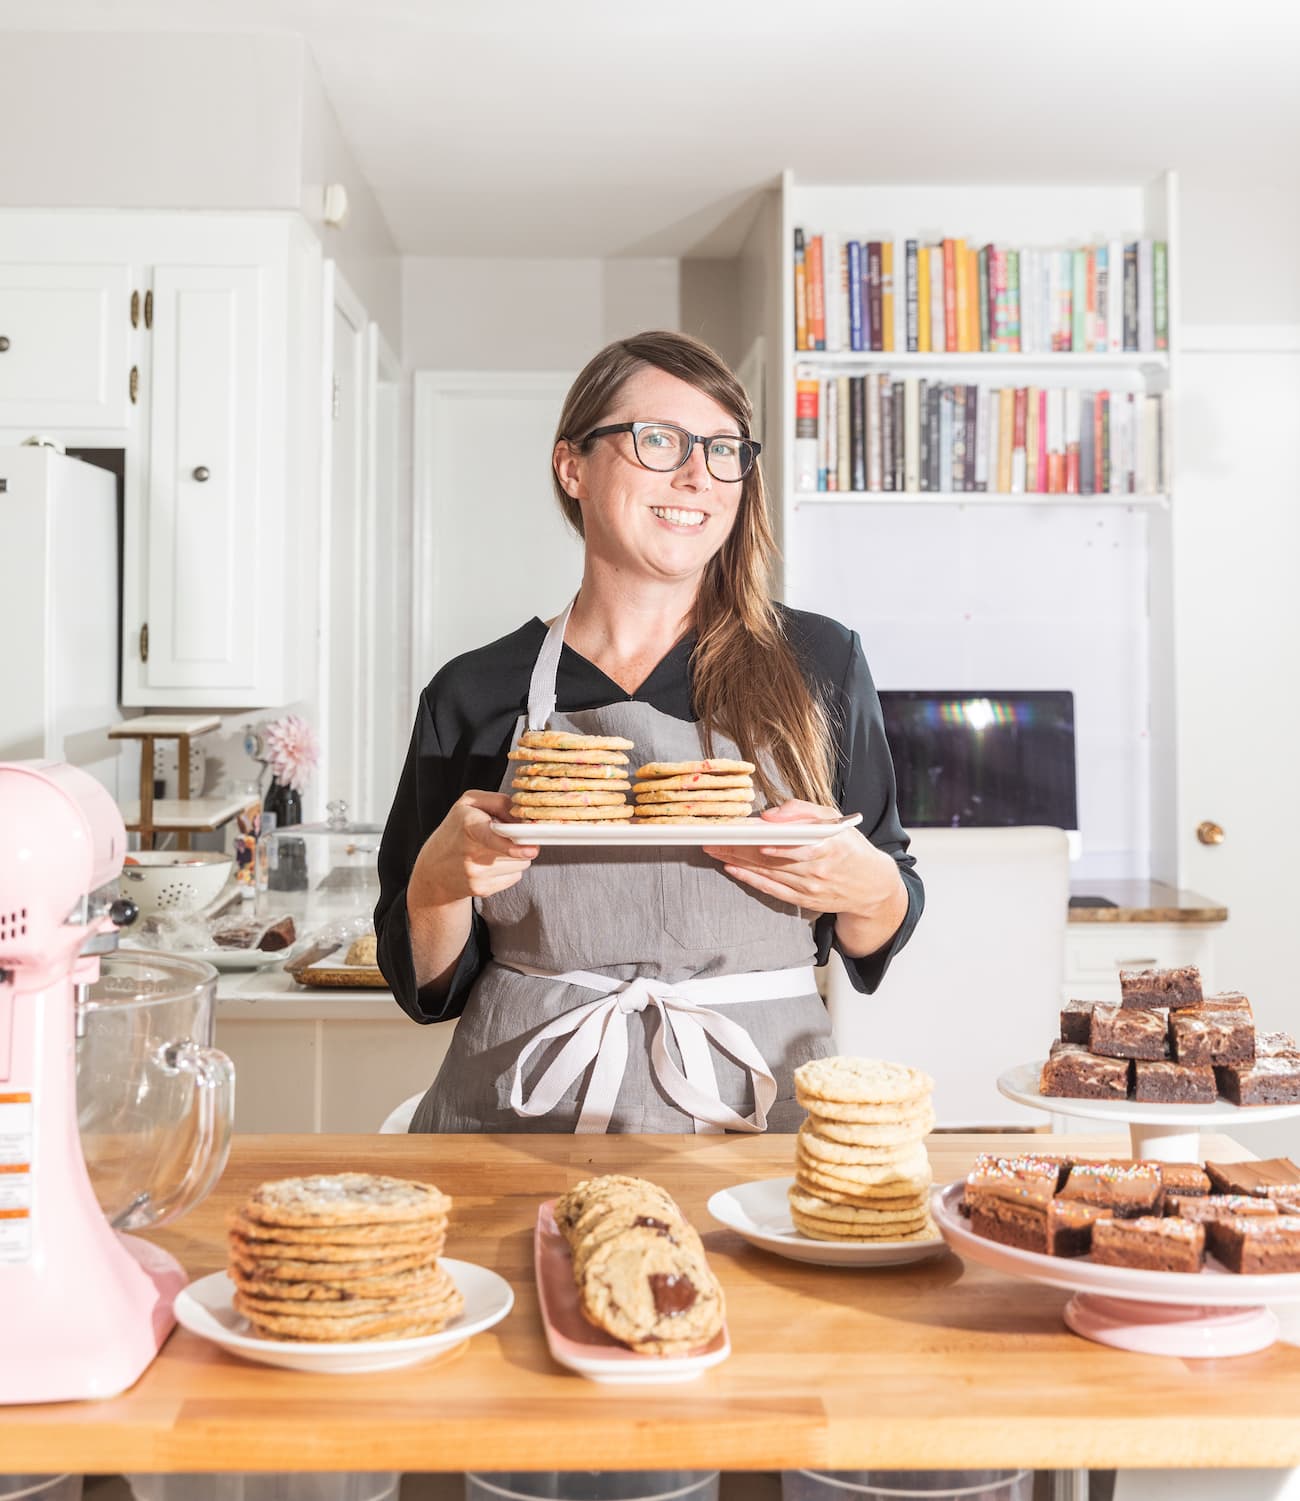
[
  {"x": 640, "y": 1267},
  {"x": 343, "y": 1256},
  {"x": 861, "y": 1170},
  {"x": 694, "y": 791},
  {"x": 570, "y": 778}
]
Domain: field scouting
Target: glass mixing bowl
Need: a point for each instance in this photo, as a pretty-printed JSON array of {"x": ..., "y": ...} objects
[{"x": 155, "y": 1099}]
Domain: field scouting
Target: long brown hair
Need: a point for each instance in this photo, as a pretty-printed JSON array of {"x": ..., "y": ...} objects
[{"x": 747, "y": 682}]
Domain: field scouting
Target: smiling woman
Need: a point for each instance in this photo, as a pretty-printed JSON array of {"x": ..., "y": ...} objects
[{"x": 672, "y": 653}]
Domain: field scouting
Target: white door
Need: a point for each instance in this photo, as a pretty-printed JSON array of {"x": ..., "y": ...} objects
[
  {"x": 1236, "y": 531},
  {"x": 388, "y": 702},
  {"x": 491, "y": 548},
  {"x": 63, "y": 346},
  {"x": 348, "y": 556},
  {"x": 204, "y": 568}
]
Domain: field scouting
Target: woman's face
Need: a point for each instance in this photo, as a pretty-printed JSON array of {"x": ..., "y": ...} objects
[{"x": 662, "y": 525}]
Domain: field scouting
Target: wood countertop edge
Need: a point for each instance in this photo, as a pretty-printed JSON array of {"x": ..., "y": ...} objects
[{"x": 1180, "y": 915}]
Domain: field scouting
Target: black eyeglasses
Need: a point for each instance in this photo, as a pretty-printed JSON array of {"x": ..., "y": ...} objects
[{"x": 664, "y": 446}]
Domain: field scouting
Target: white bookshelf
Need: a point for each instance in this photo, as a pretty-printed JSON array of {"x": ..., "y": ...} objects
[{"x": 977, "y": 589}]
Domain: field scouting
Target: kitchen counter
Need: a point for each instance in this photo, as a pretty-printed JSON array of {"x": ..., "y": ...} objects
[
  {"x": 936, "y": 1365},
  {"x": 1144, "y": 901}
]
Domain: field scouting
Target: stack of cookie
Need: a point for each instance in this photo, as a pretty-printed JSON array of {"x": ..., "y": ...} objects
[
  {"x": 569, "y": 778},
  {"x": 694, "y": 791},
  {"x": 639, "y": 1266},
  {"x": 861, "y": 1171},
  {"x": 345, "y": 1256}
]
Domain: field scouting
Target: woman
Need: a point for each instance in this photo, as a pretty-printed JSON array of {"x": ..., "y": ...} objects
[{"x": 645, "y": 989}]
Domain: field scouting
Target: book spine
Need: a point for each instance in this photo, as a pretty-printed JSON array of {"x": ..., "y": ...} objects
[
  {"x": 1053, "y": 301},
  {"x": 1078, "y": 300},
  {"x": 1115, "y": 443},
  {"x": 1099, "y": 344},
  {"x": 1055, "y": 417},
  {"x": 900, "y": 435},
  {"x": 844, "y": 409},
  {"x": 816, "y": 294},
  {"x": 1090, "y": 298},
  {"x": 1160, "y": 293},
  {"x": 1027, "y": 311},
  {"x": 855, "y": 294},
  {"x": 886, "y": 435},
  {"x": 959, "y": 438},
  {"x": 985, "y": 313},
  {"x": 1006, "y": 437},
  {"x": 981, "y": 437},
  {"x": 923, "y": 325},
  {"x": 805, "y": 429},
  {"x": 1087, "y": 450},
  {"x": 833, "y": 281},
  {"x": 950, "y": 296},
  {"x": 961, "y": 271},
  {"x": 992, "y": 442},
  {"x": 874, "y": 287},
  {"x": 887, "y": 296},
  {"x": 1130, "y": 297},
  {"x": 923, "y": 425},
  {"x": 1073, "y": 417},
  {"x": 858, "y": 430},
  {"x": 912, "y": 433},
  {"x": 827, "y": 470},
  {"x": 1042, "y": 482},
  {"x": 874, "y": 468},
  {"x": 1018, "y": 444},
  {"x": 1034, "y": 441},
  {"x": 972, "y": 424},
  {"x": 900, "y": 296},
  {"x": 1146, "y": 299},
  {"x": 947, "y": 398},
  {"x": 1115, "y": 303},
  {"x": 934, "y": 416},
  {"x": 913, "y": 294},
  {"x": 1100, "y": 445},
  {"x": 800, "y": 293},
  {"x": 1013, "y": 302}
]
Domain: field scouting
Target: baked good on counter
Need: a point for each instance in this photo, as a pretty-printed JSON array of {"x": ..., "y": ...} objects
[
  {"x": 711, "y": 791},
  {"x": 1071, "y": 1070},
  {"x": 343, "y": 1256},
  {"x": 1151, "y": 1243},
  {"x": 640, "y": 1268},
  {"x": 1129, "y": 1031},
  {"x": 363, "y": 951},
  {"x": 270, "y": 937},
  {"x": 553, "y": 783},
  {"x": 1267, "y": 1081},
  {"x": 1256, "y": 1243},
  {"x": 1168, "y": 1083},
  {"x": 861, "y": 1168},
  {"x": 1161, "y": 987}
]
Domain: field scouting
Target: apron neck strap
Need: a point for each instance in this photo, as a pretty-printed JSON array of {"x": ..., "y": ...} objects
[{"x": 541, "y": 689}]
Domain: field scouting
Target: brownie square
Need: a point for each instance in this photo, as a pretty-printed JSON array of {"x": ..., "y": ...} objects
[
  {"x": 1010, "y": 1207},
  {"x": 1160, "y": 987},
  {"x": 1276, "y": 1045},
  {"x": 1227, "y": 1000},
  {"x": 1168, "y": 1083},
  {"x": 1201, "y": 1037},
  {"x": 1267, "y": 1081},
  {"x": 1076, "y": 1073},
  {"x": 1138, "y": 1032},
  {"x": 1217, "y": 1206},
  {"x": 1032, "y": 1164},
  {"x": 1185, "y": 1179},
  {"x": 1126, "y": 1189},
  {"x": 1155, "y": 1245},
  {"x": 1069, "y": 1226},
  {"x": 1267, "y": 1178},
  {"x": 1076, "y": 1017},
  {"x": 1255, "y": 1243}
]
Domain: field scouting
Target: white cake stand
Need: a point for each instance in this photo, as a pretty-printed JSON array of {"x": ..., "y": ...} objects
[
  {"x": 1167, "y": 1133},
  {"x": 1191, "y": 1315}
]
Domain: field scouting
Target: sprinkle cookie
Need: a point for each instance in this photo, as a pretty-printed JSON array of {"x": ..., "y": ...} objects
[
  {"x": 698, "y": 795},
  {"x": 563, "y": 740},
  {"x": 604, "y": 798},
  {"x": 659, "y": 769},
  {"x": 688, "y": 781},
  {"x": 600, "y": 813},
  {"x": 565, "y": 758},
  {"x": 693, "y": 810},
  {"x": 589, "y": 770}
]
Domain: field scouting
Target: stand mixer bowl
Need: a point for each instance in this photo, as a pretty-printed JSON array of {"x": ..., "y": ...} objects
[{"x": 155, "y": 1099}]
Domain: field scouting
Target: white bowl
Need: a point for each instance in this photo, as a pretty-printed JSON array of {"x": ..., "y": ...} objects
[{"x": 174, "y": 880}]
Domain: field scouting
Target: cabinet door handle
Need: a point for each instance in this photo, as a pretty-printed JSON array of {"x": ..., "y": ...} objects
[
  {"x": 4, "y": 343},
  {"x": 1209, "y": 832},
  {"x": 202, "y": 473},
  {"x": 1151, "y": 963}
]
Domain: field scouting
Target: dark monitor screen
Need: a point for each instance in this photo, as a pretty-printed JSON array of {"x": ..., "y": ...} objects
[{"x": 983, "y": 759}]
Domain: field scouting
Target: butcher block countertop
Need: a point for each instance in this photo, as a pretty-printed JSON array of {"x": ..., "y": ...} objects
[{"x": 935, "y": 1365}]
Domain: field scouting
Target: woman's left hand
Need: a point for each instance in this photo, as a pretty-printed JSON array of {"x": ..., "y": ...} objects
[{"x": 845, "y": 874}]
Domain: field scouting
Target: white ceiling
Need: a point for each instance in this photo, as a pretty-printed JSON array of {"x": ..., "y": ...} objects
[{"x": 605, "y": 128}]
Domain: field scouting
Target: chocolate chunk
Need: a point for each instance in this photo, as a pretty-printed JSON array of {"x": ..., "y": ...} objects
[
  {"x": 651, "y": 1224},
  {"x": 673, "y": 1292}
]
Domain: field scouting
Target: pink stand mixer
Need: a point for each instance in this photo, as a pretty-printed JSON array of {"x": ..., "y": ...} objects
[{"x": 83, "y": 1308}]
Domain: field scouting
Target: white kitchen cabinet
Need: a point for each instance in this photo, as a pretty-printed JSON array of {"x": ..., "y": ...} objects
[
  {"x": 64, "y": 333},
  {"x": 1095, "y": 954},
  {"x": 221, "y": 443}
]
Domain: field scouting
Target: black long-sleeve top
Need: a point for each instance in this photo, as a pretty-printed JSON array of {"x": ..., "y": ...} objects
[{"x": 467, "y": 715}]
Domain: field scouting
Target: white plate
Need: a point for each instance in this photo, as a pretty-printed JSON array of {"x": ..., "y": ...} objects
[
  {"x": 223, "y": 959},
  {"x": 1021, "y": 1085},
  {"x": 580, "y": 1346},
  {"x": 747, "y": 831},
  {"x": 205, "y": 1308},
  {"x": 1213, "y": 1288},
  {"x": 760, "y": 1211}
]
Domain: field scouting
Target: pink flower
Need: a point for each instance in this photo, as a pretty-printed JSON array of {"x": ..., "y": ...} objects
[{"x": 291, "y": 750}]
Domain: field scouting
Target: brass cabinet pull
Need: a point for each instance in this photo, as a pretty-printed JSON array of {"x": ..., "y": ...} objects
[
  {"x": 135, "y": 310},
  {"x": 4, "y": 343},
  {"x": 1210, "y": 833},
  {"x": 144, "y": 642},
  {"x": 202, "y": 473},
  {"x": 148, "y": 309},
  {"x": 133, "y": 384}
]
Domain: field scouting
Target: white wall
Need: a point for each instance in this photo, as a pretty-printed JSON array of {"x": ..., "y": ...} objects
[
  {"x": 1237, "y": 238},
  {"x": 521, "y": 314}
]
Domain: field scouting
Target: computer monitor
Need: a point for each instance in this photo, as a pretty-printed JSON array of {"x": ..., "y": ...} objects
[{"x": 987, "y": 759}]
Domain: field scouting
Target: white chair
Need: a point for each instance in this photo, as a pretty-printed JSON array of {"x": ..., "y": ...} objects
[
  {"x": 978, "y": 988},
  {"x": 398, "y": 1120}
]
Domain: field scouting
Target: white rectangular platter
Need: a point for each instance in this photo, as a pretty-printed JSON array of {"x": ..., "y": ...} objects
[{"x": 753, "y": 831}]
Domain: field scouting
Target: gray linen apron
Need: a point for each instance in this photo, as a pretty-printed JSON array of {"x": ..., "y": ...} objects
[{"x": 629, "y": 913}]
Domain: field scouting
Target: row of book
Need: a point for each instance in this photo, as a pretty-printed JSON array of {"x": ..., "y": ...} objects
[
  {"x": 875, "y": 433},
  {"x": 893, "y": 296}
]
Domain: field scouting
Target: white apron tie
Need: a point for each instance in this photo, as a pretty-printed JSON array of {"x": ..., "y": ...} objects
[{"x": 598, "y": 1031}]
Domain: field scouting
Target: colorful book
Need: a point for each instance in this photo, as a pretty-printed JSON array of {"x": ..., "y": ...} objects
[
  {"x": 1006, "y": 437},
  {"x": 816, "y": 294},
  {"x": 923, "y": 324},
  {"x": 827, "y": 462},
  {"x": 1130, "y": 298},
  {"x": 856, "y": 326},
  {"x": 1099, "y": 343},
  {"x": 844, "y": 437},
  {"x": 912, "y": 293},
  {"x": 1115, "y": 301},
  {"x": 800, "y": 293},
  {"x": 1014, "y": 279},
  {"x": 1018, "y": 443},
  {"x": 806, "y": 392},
  {"x": 858, "y": 430},
  {"x": 1035, "y": 468},
  {"x": 1078, "y": 300},
  {"x": 874, "y": 331},
  {"x": 1160, "y": 293},
  {"x": 887, "y": 296},
  {"x": 1146, "y": 308},
  {"x": 950, "y": 345},
  {"x": 982, "y": 280},
  {"x": 912, "y": 429}
]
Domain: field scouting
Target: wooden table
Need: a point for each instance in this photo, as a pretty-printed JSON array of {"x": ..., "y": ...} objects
[{"x": 937, "y": 1365}]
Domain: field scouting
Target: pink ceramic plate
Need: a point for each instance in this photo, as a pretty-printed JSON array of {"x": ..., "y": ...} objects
[{"x": 590, "y": 1351}]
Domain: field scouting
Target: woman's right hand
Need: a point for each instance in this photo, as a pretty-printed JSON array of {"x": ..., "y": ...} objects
[{"x": 463, "y": 858}]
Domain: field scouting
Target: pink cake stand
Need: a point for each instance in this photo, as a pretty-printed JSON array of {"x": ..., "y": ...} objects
[
  {"x": 1205, "y": 1315},
  {"x": 1166, "y": 1133}
]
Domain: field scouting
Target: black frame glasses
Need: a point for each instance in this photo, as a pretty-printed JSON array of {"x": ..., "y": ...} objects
[{"x": 749, "y": 449}]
